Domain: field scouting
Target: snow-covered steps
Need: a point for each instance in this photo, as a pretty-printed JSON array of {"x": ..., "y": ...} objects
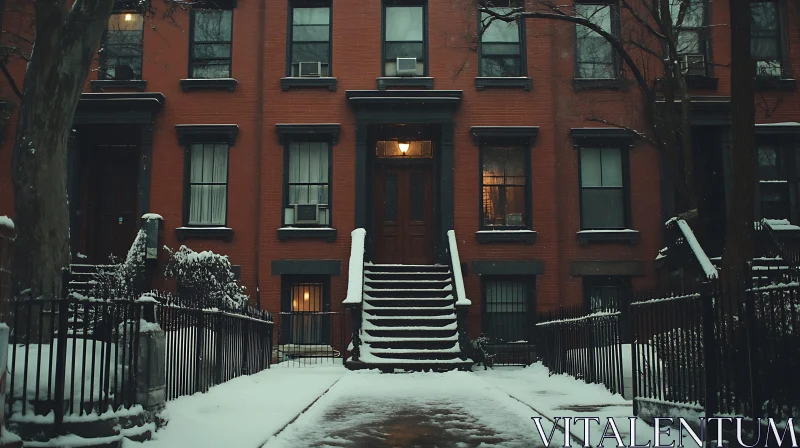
[{"x": 409, "y": 319}]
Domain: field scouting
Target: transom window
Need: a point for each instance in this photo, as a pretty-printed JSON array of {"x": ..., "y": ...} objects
[
  {"x": 310, "y": 41},
  {"x": 500, "y": 48},
  {"x": 208, "y": 184},
  {"x": 602, "y": 188},
  {"x": 765, "y": 38},
  {"x": 308, "y": 184},
  {"x": 404, "y": 37},
  {"x": 210, "y": 52},
  {"x": 594, "y": 56},
  {"x": 409, "y": 149},
  {"x": 121, "y": 52},
  {"x": 504, "y": 181}
]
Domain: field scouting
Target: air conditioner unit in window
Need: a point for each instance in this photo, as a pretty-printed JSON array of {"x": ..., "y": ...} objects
[
  {"x": 310, "y": 69},
  {"x": 309, "y": 213},
  {"x": 770, "y": 69},
  {"x": 693, "y": 64},
  {"x": 514, "y": 219},
  {"x": 406, "y": 66}
]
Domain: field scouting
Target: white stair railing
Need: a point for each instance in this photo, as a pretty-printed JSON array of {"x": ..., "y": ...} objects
[
  {"x": 458, "y": 279},
  {"x": 355, "y": 271}
]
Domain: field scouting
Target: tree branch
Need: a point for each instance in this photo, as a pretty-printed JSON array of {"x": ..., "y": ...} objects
[
  {"x": 10, "y": 79},
  {"x": 639, "y": 134}
]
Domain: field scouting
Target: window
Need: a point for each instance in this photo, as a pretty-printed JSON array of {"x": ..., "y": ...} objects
[
  {"x": 210, "y": 51},
  {"x": 304, "y": 319},
  {"x": 504, "y": 181},
  {"x": 404, "y": 37},
  {"x": 208, "y": 184},
  {"x": 500, "y": 48},
  {"x": 310, "y": 40},
  {"x": 765, "y": 38},
  {"x": 121, "y": 52},
  {"x": 689, "y": 21},
  {"x": 508, "y": 309},
  {"x": 594, "y": 57},
  {"x": 308, "y": 184},
  {"x": 773, "y": 183},
  {"x": 606, "y": 293},
  {"x": 602, "y": 188}
]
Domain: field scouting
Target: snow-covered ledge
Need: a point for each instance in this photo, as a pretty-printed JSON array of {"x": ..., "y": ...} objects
[
  {"x": 455, "y": 260},
  {"x": 355, "y": 271},
  {"x": 608, "y": 235}
]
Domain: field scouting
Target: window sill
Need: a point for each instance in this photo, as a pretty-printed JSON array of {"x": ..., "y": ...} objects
[
  {"x": 603, "y": 236},
  {"x": 694, "y": 83},
  {"x": 228, "y": 84},
  {"x": 425, "y": 82},
  {"x": 299, "y": 83},
  {"x": 221, "y": 233},
  {"x": 506, "y": 236},
  {"x": 291, "y": 233},
  {"x": 99, "y": 85},
  {"x": 765, "y": 83},
  {"x": 519, "y": 81},
  {"x": 579, "y": 84}
]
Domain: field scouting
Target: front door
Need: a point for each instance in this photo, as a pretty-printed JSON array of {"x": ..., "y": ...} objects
[
  {"x": 404, "y": 214},
  {"x": 113, "y": 201}
]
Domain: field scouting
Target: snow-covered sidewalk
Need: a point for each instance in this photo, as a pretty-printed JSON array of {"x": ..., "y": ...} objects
[{"x": 243, "y": 412}]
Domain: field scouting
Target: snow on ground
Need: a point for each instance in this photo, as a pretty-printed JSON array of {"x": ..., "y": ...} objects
[
  {"x": 243, "y": 412},
  {"x": 370, "y": 409}
]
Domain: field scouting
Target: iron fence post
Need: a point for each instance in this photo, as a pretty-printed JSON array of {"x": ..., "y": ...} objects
[
  {"x": 199, "y": 350},
  {"x": 753, "y": 359},
  {"x": 709, "y": 350},
  {"x": 61, "y": 349},
  {"x": 245, "y": 346},
  {"x": 218, "y": 349}
]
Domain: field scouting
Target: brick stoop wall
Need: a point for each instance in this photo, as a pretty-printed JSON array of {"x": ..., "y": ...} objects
[{"x": 107, "y": 430}]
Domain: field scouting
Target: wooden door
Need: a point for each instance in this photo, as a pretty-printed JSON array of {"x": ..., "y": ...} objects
[
  {"x": 404, "y": 223},
  {"x": 113, "y": 201}
]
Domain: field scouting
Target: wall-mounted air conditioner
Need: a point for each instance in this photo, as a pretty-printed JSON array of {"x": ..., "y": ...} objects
[
  {"x": 310, "y": 69},
  {"x": 309, "y": 213},
  {"x": 406, "y": 66},
  {"x": 693, "y": 64}
]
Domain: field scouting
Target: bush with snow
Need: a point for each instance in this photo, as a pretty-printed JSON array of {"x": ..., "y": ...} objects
[
  {"x": 204, "y": 279},
  {"x": 125, "y": 279}
]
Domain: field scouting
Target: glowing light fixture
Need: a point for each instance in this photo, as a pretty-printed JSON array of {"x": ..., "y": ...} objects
[
  {"x": 403, "y": 146},
  {"x": 128, "y": 17},
  {"x": 306, "y": 296}
]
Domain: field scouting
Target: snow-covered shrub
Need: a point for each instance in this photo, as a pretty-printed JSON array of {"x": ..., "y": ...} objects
[
  {"x": 123, "y": 279},
  {"x": 204, "y": 279}
]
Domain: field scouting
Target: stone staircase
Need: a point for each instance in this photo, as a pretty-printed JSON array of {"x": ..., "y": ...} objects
[
  {"x": 83, "y": 277},
  {"x": 409, "y": 319}
]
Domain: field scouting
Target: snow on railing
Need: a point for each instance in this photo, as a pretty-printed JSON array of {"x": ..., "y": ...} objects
[
  {"x": 461, "y": 295},
  {"x": 694, "y": 245},
  {"x": 355, "y": 272}
]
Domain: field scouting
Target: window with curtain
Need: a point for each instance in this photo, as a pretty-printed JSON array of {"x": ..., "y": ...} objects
[
  {"x": 765, "y": 37},
  {"x": 310, "y": 38},
  {"x": 773, "y": 183},
  {"x": 602, "y": 189},
  {"x": 606, "y": 293},
  {"x": 504, "y": 180},
  {"x": 688, "y": 18},
  {"x": 121, "y": 51},
  {"x": 208, "y": 184},
  {"x": 505, "y": 314},
  {"x": 210, "y": 49},
  {"x": 308, "y": 180},
  {"x": 404, "y": 37},
  {"x": 500, "y": 49},
  {"x": 594, "y": 57}
]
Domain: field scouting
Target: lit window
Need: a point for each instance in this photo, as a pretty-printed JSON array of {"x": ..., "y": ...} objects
[
  {"x": 504, "y": 181},
  {"x": 121, "y": 51}
]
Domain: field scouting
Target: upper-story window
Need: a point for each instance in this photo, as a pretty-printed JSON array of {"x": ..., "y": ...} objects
[
  {"x": 765, "y": 38},
  {"x": 688, "y": 18},
  {"x": 501, "y": 45},
  {"x": 310, "y": 41},
  {"x": 404, "y": 40},
  {"x": 307, "y": 202},
  {"x": 211, "y": 43},
  {"x": 121, "y": 51},
  {"x": 594, "y": 56},
  {"x": 773, "y": 181}
]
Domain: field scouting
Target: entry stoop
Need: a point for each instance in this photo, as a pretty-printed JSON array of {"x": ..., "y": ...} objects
[{"x": 409, "y": 319}]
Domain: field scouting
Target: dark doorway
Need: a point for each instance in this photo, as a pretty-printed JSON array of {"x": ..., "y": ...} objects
[{"x": 112, "y": 193}]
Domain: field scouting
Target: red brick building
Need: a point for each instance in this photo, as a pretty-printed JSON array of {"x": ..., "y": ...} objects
[{"x": 269, "y": 131}]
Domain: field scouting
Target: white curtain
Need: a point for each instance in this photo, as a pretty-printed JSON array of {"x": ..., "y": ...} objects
[
  {"x": 308, "y": 173},
  {"x": 209, "y": 184}
]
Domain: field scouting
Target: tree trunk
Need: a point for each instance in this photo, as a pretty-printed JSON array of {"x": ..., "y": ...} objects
[
  {"x": 64, "y": 46},
  {"x": 739, "y": 237}
]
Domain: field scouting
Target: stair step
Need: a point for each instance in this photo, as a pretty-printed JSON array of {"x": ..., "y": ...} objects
[
  {"x": 407, "y": 275},
  {"x": 410, "y": 303},
  {"x": 450, "y": 316},
  {"x": 407, "y": 284},
  {"x": 430, "y": 355},
  {"x": 406, "y": 323},
  {"x": 412, "y": 344},
  {"x": 408, "y": 293},
  {"x": 412, "y": 332},
  {"x": 424, "y": 268},
  {"x": 391, "y": 311}
]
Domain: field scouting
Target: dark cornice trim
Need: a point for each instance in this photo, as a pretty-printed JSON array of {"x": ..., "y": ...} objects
[
  {"x": 301, "y": 83},
  {"x": 437, "y": 98},
  {"x": 150, "y": 101},
  {"x": 778, "y": 129},
  {"x": 602, "y": 137},
  {"x": 328, "y": 235},
  {"x": 508, "y": 236},
  {"x": 579, "y": 268},
  {"x": 425, "y": 82},
  {"x": 523, "y": 82},
  {"x": 579, "y": 84},
  {"x": 325, "y": 131},
  {"x": 622, "y": 236},
  {"x": 524, "y": 134},
  {"x": 100, "y": 85},
  {"x": 193, "y": 133},
  {"x": 507, "y": 267},
  {"x": 228, "y": 84},
  {"x": 307, "y": 267},
  {"x": 221, "y": 233},
  {"x": 765, "y": 83}
]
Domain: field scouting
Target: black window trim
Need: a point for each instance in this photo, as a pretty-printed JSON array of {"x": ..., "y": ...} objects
[
  {"x": 290, "y": 37},
  {"x": 786, "y": 139},
  {"x": 287, "y": 134},
  {"x": 606, "y": 281},
  {"x": 425, "y": 78},
  {"x": 529, "y": 282},
  {"x": 525, "y": 138},
  {"x": 606, "y": 138},
  {"x": 191, "y": 83},
  {"x": 289, "y": 280},
  {"x": 187, "y": 136},
  {"x": 105, "y": 82},
  {"x": 783, "y": 82},
  {"x": 522, "y": 80},
  {"x": 618, "y": 81}
]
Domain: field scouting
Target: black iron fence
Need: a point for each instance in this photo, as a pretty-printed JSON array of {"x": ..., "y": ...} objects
[
  {"x": 69, "y": 356},
  {"x": 309, "y": 338},
  {"x": 206, "y": 347},
  {"x": 585, "y": 346}
]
